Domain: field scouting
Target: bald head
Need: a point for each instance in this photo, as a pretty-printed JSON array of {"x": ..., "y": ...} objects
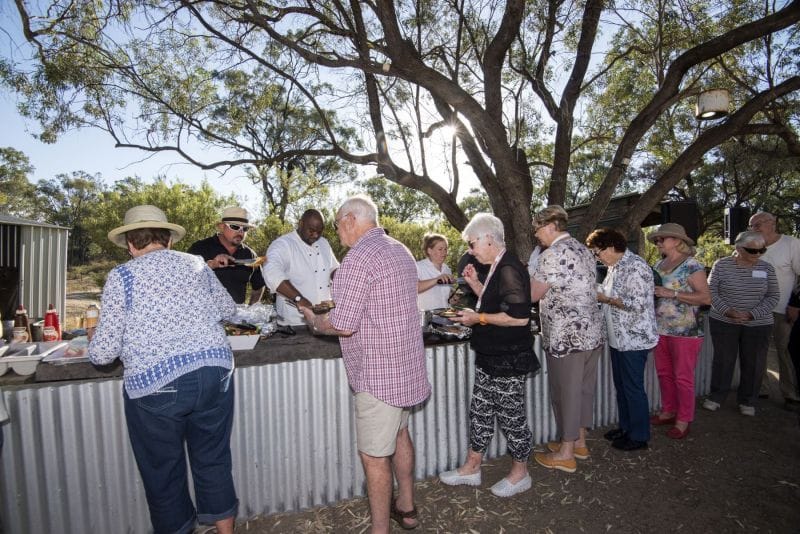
[
  {"x": 765, "y": 224},
  {"x": 311, "y": 226}
]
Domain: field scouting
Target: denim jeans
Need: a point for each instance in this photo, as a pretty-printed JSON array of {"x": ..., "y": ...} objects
[
  {"x": 195, "y": 409},
  {"x": 627, "y": 368}
]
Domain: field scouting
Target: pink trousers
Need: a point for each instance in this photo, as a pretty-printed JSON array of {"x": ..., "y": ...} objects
[{"x": 675, "y": 359}]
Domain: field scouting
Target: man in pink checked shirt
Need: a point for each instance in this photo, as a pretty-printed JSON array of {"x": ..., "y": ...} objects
[{"x": 376, "y": 319}]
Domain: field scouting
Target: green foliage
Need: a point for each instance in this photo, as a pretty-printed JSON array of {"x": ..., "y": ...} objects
[
  {"x": 398, "y": 202},
  {"x": 70, "y": 200},
  {"x": 411, "y": 234},
  {"x": 197, "y": 210},
  {"x": 17, "y": 194}
]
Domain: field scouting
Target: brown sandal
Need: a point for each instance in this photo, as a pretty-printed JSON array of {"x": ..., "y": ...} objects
[{"x": 401, "y": 516}]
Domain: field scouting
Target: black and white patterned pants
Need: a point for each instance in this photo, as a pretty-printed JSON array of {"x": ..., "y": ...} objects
[{"x": 502, "y": 397}]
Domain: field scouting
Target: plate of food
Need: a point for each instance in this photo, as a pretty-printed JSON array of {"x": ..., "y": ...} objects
[
  {"x": 446, "y": 312},
  {"x": 250, "y": 262},
  {"x": 453, "y": 331}
]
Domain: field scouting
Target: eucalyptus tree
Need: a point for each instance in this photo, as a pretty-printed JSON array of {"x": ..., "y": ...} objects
[
  {"x": 477, "y": 86},
  {"x": 17, "y": 193},
  {"x": 69, "y": 200}
]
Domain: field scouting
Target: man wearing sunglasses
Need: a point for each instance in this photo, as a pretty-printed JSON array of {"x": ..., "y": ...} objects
[
  {"x": 783, "y": 253},
  {"x": 222, "y": 250}
]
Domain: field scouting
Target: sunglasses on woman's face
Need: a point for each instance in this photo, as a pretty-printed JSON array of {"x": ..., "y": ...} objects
[{"x": 755, "y": 250}]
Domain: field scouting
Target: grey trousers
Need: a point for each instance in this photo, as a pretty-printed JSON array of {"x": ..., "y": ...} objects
[
  {"x": 779, "y": 345},
  {"x": 748, "y": 344},
  {"x": 573, "y": 381}
]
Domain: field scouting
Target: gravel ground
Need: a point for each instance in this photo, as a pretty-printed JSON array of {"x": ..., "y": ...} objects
[{"x": 731, "y": 474}]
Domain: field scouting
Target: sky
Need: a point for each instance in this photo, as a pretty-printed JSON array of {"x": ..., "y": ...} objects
[{"x": 93, "y": 151}]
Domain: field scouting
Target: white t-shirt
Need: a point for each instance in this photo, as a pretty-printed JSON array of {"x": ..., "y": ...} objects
[
  {"x": 784, "y": 256},
  {"x": 435, "y": 297},
  {"x": 307, "y": 267}
]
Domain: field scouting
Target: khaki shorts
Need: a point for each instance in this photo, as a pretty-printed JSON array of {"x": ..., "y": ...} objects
[{"x": 377, "y": 425}]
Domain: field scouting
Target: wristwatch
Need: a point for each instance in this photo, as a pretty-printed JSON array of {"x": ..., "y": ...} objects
[{"x": 298, "y": 298}]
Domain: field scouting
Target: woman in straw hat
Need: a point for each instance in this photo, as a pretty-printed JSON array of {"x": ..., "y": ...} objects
[
  {"x": 160, "y": 315},
  {"x": 683, "y": 289}
]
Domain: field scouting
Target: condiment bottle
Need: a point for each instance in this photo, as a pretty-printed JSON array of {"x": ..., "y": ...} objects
[
  {"x": 92, "y": 316},
  {"x": 51, "y": 330},
  {"x": 22, "y": 328}
]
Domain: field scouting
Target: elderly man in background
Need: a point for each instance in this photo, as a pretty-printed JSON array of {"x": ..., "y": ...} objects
[
  {"x": 300, "y": 267},
  {"x": 222, "y": 250},
  {"x": 377, "y": 322},
  {"x": 783, "y": 253}
]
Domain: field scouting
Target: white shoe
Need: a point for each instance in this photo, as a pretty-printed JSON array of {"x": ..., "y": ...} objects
[
  {"x": 454, "y": 478},
  {"x": 504, "y": 488},
  {"x": 710, "y": 405},
  {"x": 747, "y": 410}
]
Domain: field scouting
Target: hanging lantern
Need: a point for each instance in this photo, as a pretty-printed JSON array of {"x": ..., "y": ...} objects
[{"x": 712, "y": 104}]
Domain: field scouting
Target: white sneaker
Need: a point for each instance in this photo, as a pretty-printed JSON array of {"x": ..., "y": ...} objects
[
  {"x": 710, "y": 405},
  {"x": 453, "y": 478},
  {"x": 747, "y": 410},
  {"x": 504, "y": 488}
]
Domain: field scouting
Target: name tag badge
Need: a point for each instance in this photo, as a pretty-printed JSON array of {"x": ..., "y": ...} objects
[{"x": 759, "y": 274}]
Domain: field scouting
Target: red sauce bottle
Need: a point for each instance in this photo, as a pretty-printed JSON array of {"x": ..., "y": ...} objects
[{"x": 52, "y": 328}]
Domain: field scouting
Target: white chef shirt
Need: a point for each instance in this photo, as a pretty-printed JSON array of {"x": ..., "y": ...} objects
[{"x": 307, "y": 267}]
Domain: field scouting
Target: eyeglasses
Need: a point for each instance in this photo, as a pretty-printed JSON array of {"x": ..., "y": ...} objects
[
  {"x": 337, "y": 221},
  {"x": 238, "y": 227},
  {"x": 472, "y": 243},
  {"x": 755, "y": 250},
  {"x": 597, "y": 251}
]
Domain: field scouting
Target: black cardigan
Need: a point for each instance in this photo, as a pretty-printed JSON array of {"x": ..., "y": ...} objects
[{"x": 506, "y": 350}]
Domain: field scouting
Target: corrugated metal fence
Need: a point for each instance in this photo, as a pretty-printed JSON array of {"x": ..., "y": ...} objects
[{"x": 67, "y": 465}]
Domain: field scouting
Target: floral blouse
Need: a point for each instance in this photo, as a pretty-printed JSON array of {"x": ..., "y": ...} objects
[
  {"x": 678, "y": 318},
  {"x": 571, "y": 320},
  {"x": 633, "y": 327}
]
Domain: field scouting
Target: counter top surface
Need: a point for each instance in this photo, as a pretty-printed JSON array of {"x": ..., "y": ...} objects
[{"x": 279, "y": 348}]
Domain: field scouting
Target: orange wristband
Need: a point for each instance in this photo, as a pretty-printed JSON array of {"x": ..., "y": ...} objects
[{"x": 482, "y": 319}]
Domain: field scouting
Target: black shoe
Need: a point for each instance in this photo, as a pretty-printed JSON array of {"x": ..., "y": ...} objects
[
  {"x": 763, "y": 395},
  {"x": 627, "y": 444},
  {"x": 792, "y": 405},
  {"x": 617, "y": 433}
]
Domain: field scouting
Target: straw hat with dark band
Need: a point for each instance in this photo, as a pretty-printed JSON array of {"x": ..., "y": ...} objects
[
  {"x": 145, "y": 216},
  {"x": 671, "y": 230},
  {"x": 236, "y": 215}
]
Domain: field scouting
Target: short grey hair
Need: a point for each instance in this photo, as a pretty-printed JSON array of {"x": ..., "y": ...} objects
[
  {"x": 485, "y": 224},
  {"x": 361, "y": 207},
  {"x": 551, "y": 214},
  {"x": 750, "y": 237}
]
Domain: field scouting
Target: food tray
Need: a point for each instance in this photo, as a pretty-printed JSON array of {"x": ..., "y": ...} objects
[
  {"x": 243, "y": 342},
  {"x": 454, "y": 331},
  {"x": 32, "y": 354}
]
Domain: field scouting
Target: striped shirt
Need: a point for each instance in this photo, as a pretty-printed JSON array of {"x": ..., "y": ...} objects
[
  {"x": 739, "y": 287},
  {"x": 375, "y": 291}
]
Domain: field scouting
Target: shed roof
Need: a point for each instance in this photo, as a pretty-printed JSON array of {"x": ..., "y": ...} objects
[{"x": 19, "y": 221}]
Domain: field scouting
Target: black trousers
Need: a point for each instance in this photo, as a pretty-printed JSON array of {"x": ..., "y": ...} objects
[{"x": 747, "y": 343}]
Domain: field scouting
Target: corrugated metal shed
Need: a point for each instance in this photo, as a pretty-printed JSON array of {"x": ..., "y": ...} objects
[
  {"x": 67, "y": 465},
  {"x": 33, "y": 257}
]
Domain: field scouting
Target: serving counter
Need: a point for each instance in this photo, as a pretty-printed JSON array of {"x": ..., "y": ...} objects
[{"x": 67, "y": 465}]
